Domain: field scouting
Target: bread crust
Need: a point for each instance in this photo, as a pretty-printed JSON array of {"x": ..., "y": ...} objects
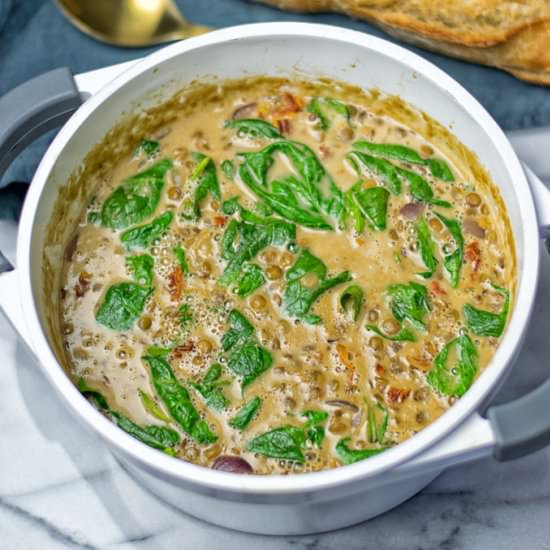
[{"x": 513, "y": 36}]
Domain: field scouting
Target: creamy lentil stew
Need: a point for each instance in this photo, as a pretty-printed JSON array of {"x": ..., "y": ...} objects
[{"x": 284, "y": 280}]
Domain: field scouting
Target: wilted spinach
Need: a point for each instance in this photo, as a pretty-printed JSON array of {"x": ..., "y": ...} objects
[
  {"x": 246, "y": 413},
  {"x": 420, "y": 189},
  {"x": 404, "y": 334},
  {"x": 426, "y": 246},
  {"x": 141, "y": 268},
  {"x": 254, "y": 128},
  {"x": 299, "y": 299},
  {"x": 205, "y": 180},
  {"x": 246, "y": 358},
  {"x": 438, "y": 167},
  {"x": 376, "y": 426},
  {"x": 250, "y": 279},
  {"x": 453, "y": 261},
  {"x": 486, "y": 323},
  {"x": 379, "y": 167},
  {"x": 177, "y": 400},
  {"x": 148, "y": 147},
  {"x": 244, "y": 239},
  {"x": 319, "y": 106},
  {"x": 144, "y": 236},
  {"x": 349, "y": 456},
  {"x": 122, "y": 305},
  {"x": 315, "y": 432},
  {"x": 307, "y": 198},
  {"x": 228, "y": 169},
  {"x": 353, "y": 296},
  {"x": 158, "y": 437},
  {"x": 454, "y": 380},
  {"x": 285, "y": 443},
  {"x": 409, "y": 302},
  {"x": 151, "y": 407},
  {"x": 181, "y": 258},
  {"x": 136, "y": 199},
  {"x": 373, "y": 204},
  {"x": 211, "y": 388}
]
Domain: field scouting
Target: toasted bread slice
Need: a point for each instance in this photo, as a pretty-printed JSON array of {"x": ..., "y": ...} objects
[{"x": 511, "y": 35}]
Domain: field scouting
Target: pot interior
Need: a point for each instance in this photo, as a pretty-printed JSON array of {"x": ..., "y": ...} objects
[{"x": 143, "y": 99}]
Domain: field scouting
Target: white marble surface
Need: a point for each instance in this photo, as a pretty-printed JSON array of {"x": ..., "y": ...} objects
[{"x": 60, "y": 489}]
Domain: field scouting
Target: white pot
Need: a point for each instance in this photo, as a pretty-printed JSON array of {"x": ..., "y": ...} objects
[{"x": 303, "y": 503}]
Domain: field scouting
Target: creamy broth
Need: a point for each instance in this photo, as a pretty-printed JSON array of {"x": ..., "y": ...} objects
[{"x": 431, "y": 282}]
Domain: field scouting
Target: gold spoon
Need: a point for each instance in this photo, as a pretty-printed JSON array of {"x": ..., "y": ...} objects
[{"x": 130, "y": 23}]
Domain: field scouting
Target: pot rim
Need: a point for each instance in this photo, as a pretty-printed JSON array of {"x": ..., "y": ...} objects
[{"x": 206, "y": 478}]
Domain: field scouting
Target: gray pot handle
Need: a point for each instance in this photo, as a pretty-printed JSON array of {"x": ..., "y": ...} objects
[
  {"x": 522, "y": 426},
  {"x": 32, "y": 109}
]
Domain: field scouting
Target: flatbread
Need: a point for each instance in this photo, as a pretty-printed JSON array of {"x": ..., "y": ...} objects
[{"x": 511, "y": 35}]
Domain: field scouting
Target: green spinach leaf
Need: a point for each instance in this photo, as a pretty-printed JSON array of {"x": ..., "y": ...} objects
[
  {"x": 454, "y": 380},
  {"x": 285, "y": 443},
  {"x": 299, "y": 299},
  {"x": 426, "y": 246},
  {"x": 440, "y": 169},
  {"x": 373, "y": 204},
  {"x": 158, "y": 437},
  {"x": 251, "y": 279},
  {"x": 391, "y": 151},
  {"x": 205, "y": 180},
  {"x": 349, "y": 456},
  {"x": 136, "y": 199},
  {"x": 246, "y": 413},
  {"x": 179, "y": 253},
  {"x": 148, "y": 147},
  {"x": 254, "y": 128},
  {"x": 92, "y": 394},
  {"x": 486, "y": 323},
  {"x": 177, "y": 400},
  {"x": 453, "y": 261},
  {"x": 352, "y": 210},
  {"x": 319, "y": 106},
  {"x": 404, "y": 334},
  {"x": 151, "y": 407},
  {"x": 420, "y": 189},
  {"x": 409, "y": 302},
  {"x": 240, "y": 330},
  {"x": 122, "y": 305},
  {"x": 306, "y": 198},
  {"x": 376, "y": 426},
  {"x": 352, "y": 297},
  {"x": 315, "y": 432},
  {"x": 228, "y": 169},
  {"x": 211, "y": 388},
  {"x": 385, "y": 170},
  {"x": 243, "y": 240},
  {"x": 144, "y": 236},
  {"x": 185, "y": 315},
  {"x": 247, "y": 359},
  {"x": 141, "y": 268}
]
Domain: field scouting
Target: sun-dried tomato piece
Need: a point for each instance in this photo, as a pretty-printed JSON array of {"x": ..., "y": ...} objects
[
  {"x": 175, "y": 283},
  {"x": 397, "y": 395}
]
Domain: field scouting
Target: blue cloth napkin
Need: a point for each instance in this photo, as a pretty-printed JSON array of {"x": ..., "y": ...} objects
[{"x": 35, "y": 38}]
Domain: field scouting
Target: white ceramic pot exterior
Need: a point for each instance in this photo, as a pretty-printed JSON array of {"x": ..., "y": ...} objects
[{"x": 311, "y": 502}]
